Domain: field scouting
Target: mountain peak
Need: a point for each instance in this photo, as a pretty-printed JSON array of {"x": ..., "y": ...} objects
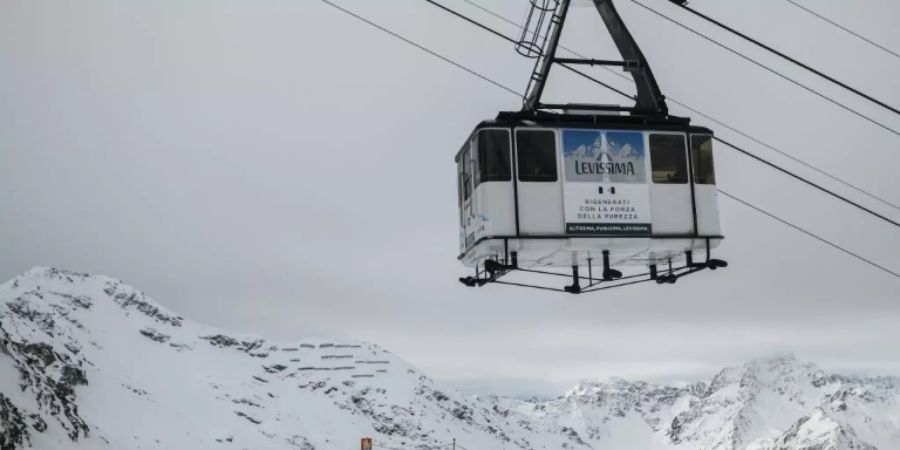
[
  {"x": 785, "y": 369},
  {"x": 589, "y": 386},
  {"x": 53, "y": 273},
  {"x": 821, "y": 432}
]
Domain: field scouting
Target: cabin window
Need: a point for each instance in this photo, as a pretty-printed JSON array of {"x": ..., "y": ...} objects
[
  {"x": 702, "y": 156},
  {"x": 459, "y": 179},
  {"x": 536, "y": 153},
  {"x": 493, "y": 156},
  {"x": 668, "y": 158},
  {"x": 466, "y": 176},
  {"x": 460, "y": 183}
]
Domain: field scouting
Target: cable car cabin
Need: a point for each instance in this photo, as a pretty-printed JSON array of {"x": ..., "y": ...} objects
[
  {"x": 572, "y": 185},
  {"x": 569, "y": 191}
]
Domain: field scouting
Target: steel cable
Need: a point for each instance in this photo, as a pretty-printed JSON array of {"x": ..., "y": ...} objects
[
  {"x": 865, "y": 39},
  {"x": 782, "y": 55},
  {"x": 497, "y": 84},
  {"x": 768, "y": 69},
  {"x": 672, "y": 99}
]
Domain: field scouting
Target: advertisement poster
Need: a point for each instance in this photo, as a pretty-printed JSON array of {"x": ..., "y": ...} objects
[{"x": 606, "y": 187}]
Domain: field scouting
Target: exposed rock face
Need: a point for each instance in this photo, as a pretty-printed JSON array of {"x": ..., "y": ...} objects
[
  {"x": 89, "y": 362},
  {"x": 13, "y": 428},
  {"x": 47, "y": 367}
]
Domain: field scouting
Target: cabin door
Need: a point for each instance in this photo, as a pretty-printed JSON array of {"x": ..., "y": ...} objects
[
  {"x": 670, "y": 190},
  {"x": 705, "y": 191},
  {"x": 539, "y": 188}
]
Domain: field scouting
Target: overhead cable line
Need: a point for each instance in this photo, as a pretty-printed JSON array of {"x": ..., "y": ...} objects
[
  {"x": 496, "y": 84},
  {"x": 789, "y": 156},
  {"x": 519, "y": 26},
  {"x": 513, "y": 41},
  {"x": 809, "y": 233},
  {"x": 769, "y": 69},
  {"x": 806, "y": 181},
  {"x": 673, "y": 100},
  {"x": 728, "y": 144},
  {"x": 865, "y": 39},
  {"x": 421, "y": 47},
  {"x": 782, "y": 55}
]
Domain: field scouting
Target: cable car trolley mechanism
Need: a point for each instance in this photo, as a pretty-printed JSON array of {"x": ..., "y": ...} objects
[{"x": 589, "y": 188}]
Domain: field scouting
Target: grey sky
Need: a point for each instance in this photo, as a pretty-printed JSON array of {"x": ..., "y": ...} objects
[{"x": 277, "y": 167}]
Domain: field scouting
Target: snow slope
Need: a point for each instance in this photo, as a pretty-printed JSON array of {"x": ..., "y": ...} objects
[
  {"x": 92, "y": 360},
  {"x": 87, "y": 362}
]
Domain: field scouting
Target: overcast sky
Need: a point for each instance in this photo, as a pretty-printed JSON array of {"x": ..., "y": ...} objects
[{"x": 276, "y": 167}]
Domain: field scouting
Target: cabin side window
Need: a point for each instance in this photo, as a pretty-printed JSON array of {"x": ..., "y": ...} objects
[
  {"x": 702, "y": 156},
  {"x": 668, "y": 159},
  {"x": 466, "y": 175},
  {"x": 493, "y": 156},
  {"x": 472, "y": 163},
  {"x": 536, "y": 154},
  {"x": 459, "y": 186}
]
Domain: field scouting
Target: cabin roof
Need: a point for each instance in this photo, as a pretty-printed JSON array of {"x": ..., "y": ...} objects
[{"x": 519, "y": 119}]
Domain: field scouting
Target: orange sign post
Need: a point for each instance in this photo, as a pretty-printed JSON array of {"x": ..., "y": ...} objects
[{"x": 365, "y": 444}]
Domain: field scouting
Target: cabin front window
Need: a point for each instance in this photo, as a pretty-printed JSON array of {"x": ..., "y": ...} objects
[
  {"x": 536, "y": 154},
  {"x": 493, "y": 156},
  {"x": 702, "y": 156},
  {"x": 668, "y": 159}
]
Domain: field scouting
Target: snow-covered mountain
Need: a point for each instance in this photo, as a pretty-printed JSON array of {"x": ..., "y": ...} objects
[
  {"x": 89, "y": 362},
  {"x": 773, "y": 404}
]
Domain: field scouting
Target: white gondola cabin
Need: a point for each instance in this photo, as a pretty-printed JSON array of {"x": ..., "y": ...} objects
[
  {"x": 561, "y": 192},
  {"x": 579, "y": 186}
]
